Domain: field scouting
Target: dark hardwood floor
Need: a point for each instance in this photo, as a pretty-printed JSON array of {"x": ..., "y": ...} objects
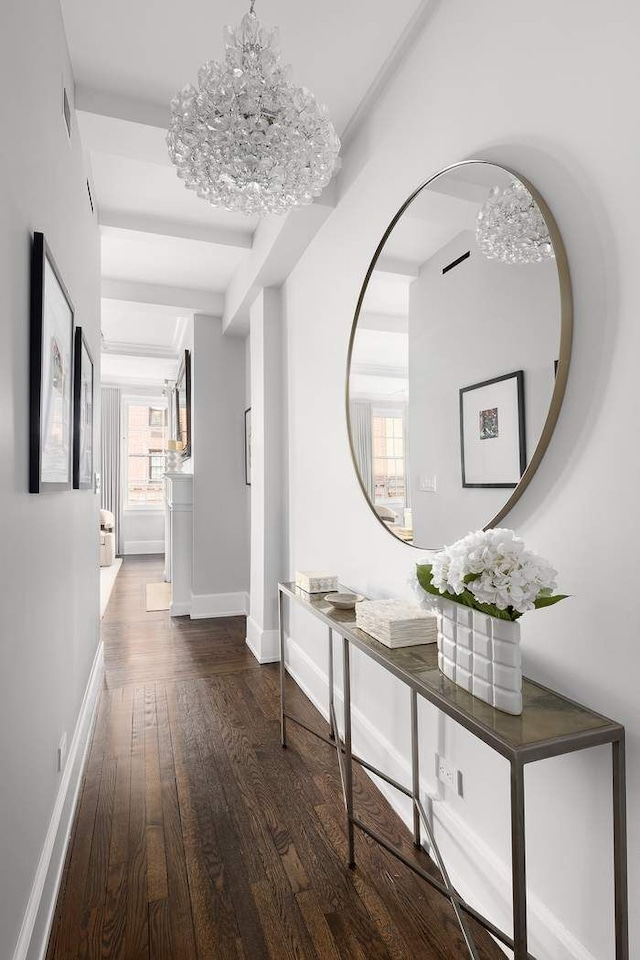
[{"x": 197, "y": 836}]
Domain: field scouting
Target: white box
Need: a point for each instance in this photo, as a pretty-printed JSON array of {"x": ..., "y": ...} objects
[
  {"x": 396, "y": 624},
  {"x": 313, "y": 582}
]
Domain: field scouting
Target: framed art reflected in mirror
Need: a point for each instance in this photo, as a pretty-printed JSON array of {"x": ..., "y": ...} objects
[
  {"x": 183, "y": 405},
  {"x": 493, "y": 448}
]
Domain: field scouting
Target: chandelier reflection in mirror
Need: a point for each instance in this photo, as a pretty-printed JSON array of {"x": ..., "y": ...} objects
[
  {"x": 249, "y": 139},
  {"x": 511, "y": 228}
]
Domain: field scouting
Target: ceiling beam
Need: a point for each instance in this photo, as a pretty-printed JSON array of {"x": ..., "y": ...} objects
[
  {"x": 397, "y": 267},
  {"x": 185, "y": 298},
  {"x": 278, "y": 244},
  {"x": 383, "y": 321},
  {"x": 106, "y": 104},
  {"x": 123, "y": 348},
  {"x": 141, "y": 223},
  {"x": 379, "y": 370}
]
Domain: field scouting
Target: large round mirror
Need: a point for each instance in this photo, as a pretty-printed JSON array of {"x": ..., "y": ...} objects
[{"x": 459, "y": 354}]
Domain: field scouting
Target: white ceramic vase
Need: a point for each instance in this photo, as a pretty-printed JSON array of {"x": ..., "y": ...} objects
[
  {"x": 481, "y": 654},
  {"x": 174, "y": 461}
]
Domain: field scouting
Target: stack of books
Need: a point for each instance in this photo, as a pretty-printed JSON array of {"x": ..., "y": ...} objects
[{"x": 397, "y": 624}]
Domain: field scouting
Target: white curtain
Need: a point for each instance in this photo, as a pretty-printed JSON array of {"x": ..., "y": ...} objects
[
  {"x": 110, "y": 457},
  {"x": 362, "y": 443}
]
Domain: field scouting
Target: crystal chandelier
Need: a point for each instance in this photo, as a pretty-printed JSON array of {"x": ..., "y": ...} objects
[
  {"x": 249, "y": 139},
  {"x": 511, "y": 228}
]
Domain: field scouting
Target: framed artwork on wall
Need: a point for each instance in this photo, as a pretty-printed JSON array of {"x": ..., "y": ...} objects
[
  {"x": 51, "y": 374},
  {"x": 183, "y": 405},
  {"x": 493, "y": 449},
  {"x": 247, "y": 446},
  {"x": 82, "y": 413}
]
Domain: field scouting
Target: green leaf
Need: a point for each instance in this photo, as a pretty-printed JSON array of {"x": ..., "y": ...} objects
[
  {"x": 423, "y": 572},
  {"x": 549, "y": 601},
  {"x": 466, "y": 598}
]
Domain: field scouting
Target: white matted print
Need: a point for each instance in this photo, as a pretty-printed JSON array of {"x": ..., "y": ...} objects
[
  {"x": 51, "y": 374},
  {"x": 492, "y": 432}
]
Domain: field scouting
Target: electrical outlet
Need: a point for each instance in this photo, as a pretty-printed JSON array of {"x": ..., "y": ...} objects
[
  {"x": 428, "y": 484},
  {"x": 62, "y": 752},
  {"x": 448, "y": 774}
]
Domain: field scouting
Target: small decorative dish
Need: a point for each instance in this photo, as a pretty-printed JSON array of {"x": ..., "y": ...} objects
[{"x": 343, "y": 601}]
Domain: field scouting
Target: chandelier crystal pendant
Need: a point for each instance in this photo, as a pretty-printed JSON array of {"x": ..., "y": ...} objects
[
  {"x": 248, "y": 139},
  {"x": 511, "y": 228}
]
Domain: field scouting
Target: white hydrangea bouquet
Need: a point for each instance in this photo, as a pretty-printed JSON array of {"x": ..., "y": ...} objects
[
  {"x": 483, "y": 584},
  {"x": 491, "y": 571}
]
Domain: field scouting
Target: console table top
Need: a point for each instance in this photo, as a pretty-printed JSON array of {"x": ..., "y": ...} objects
[{"x": 549, "y": 725}]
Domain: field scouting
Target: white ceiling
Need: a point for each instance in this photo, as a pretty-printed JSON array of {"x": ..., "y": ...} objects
[
  {"x": 128, "y": 60},
  {"x": 381, "y": 348},
  {"x": 150, "y": 258},
  {"x": 151, "y": 48},
  {"x": 137, "y": 371},
  {"x": 146, "y": 188},
  {"x": 125, "y": 323}
]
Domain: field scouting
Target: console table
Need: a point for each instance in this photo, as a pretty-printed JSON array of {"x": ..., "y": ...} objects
[{"x": 550, "y": 725}]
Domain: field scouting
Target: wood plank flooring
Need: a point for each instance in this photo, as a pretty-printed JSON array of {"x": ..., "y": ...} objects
[{"x": 198, "y": 838}]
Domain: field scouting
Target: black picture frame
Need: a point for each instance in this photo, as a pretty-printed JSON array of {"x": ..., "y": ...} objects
[
  {"x": 247, "y": 447},
  {"x": 516, "y": 445},
  {"x": 83, "y": 400},
  {"x": 51, "y": 374},
  {"x": 183, "y": 405}
]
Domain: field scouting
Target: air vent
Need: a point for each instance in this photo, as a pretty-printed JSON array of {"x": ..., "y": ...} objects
[
  {"x": 66, "y": 111},
  {"x": 454, "y": 263}
]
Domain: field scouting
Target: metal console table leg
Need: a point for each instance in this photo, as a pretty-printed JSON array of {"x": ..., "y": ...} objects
[
  {"x": 518, "y": 864},
  {"x": 283, "y": 719},
  {"x": 348, "y": 765},
  {"x": 620, "y": 849},
  {"x": 415, "y": 768},
  {"x": 332, "y": 729},
  {"x": 419, "y": 814}
]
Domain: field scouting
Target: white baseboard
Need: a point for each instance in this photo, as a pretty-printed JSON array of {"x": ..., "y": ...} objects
[
  {"x": 143, "y": 546},
  {"x": 182, "y": 609},
  {"x": 478, "y": 873},
  {"x": 208, "y": 605},
  {"x": 264, "y": 644},
  {"x": 38, "y": 917}
]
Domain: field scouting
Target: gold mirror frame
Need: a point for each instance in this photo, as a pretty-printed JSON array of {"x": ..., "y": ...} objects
[{"x": 564, "y": 355}]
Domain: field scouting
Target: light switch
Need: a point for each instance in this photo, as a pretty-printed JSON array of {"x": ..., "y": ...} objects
[{"x": 427, "y": 484}]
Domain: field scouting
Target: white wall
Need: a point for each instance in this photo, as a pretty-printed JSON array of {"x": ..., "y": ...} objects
[
  {"x": 549, "y": 90},
  {"x": 220, "y": 528},
  {"x": 480, "y": 320},
  {"x": 49, "y": 581},
  {"x": 267, "y": 544},
  {"x": 143, "y": 531}
]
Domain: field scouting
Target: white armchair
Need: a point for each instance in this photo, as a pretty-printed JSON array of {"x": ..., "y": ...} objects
[{"x": 107, "y": 538}]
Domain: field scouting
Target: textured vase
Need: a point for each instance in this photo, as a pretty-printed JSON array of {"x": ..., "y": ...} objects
[
  {"x": 174, "y": 461},
  {"x": 481, "y": 654}
]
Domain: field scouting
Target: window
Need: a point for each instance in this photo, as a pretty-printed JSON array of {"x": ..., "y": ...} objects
[
  {"x": 145, "y": 444},
  {"x": 156, "y": 464},
  {"x": 388, "y": 457}
]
